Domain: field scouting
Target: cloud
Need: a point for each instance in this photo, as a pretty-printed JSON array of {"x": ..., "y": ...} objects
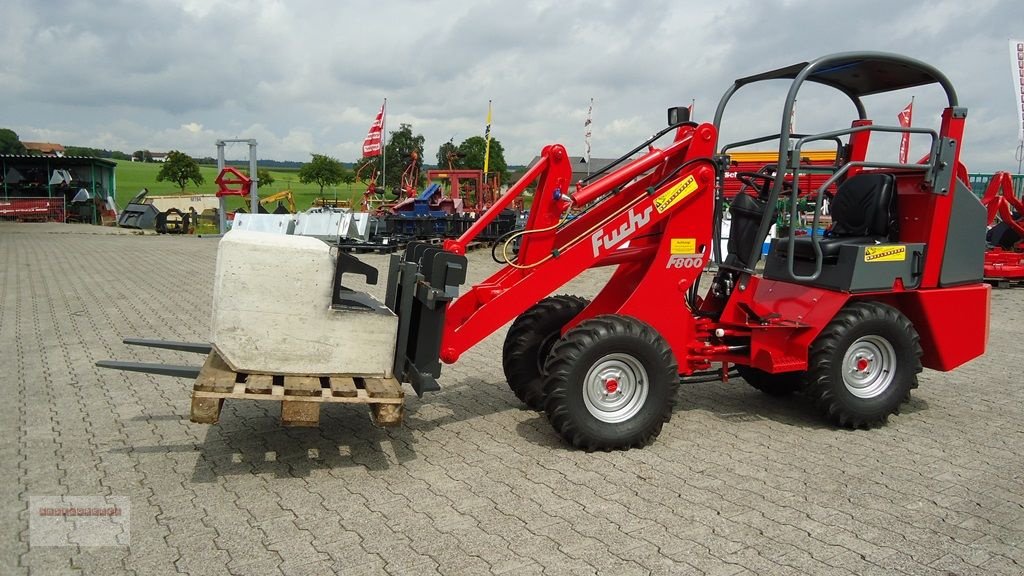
[{"x": 309, "y": 77}]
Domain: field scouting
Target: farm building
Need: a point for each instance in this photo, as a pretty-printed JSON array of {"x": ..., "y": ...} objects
[
  {"x": 46, "y": 187},
  {"x": 43, "y": 148}
]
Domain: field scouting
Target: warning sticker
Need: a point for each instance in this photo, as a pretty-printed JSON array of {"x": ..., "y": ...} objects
[
  {"x": 684, "y": 246},
  {"x": 675, "y": 194},
  {"x": 885, "y": 253}
]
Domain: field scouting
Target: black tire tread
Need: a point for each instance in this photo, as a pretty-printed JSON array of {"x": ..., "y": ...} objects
[
  {"x": 517, "y": 368},
  {"x": 567, "y": 352},
  {"x": 824, "y": 353}
]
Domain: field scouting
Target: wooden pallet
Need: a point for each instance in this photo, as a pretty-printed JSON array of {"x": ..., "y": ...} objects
[{"x": 300, "y": 396}]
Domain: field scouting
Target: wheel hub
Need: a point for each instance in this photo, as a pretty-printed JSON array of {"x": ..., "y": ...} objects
[
  {"x": 869, "y": 366},
  {"x": 615, "y": 388}
]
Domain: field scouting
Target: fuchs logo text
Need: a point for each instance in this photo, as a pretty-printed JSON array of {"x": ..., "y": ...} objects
[{"x": 609, "y": 240}]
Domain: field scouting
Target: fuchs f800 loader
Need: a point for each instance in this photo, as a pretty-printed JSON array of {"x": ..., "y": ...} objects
[{"x": 849, "y": 317}]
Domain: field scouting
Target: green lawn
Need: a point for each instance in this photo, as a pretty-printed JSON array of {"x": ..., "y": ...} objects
[{"x": 134, "y": 176}]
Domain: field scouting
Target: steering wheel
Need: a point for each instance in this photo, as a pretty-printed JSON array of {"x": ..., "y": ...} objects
[{"x": 766, "y": 182}]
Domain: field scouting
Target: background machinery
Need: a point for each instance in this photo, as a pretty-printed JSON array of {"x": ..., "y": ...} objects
[
  {"x": 850, "y": 317},
  {"x": 1004, "y": 259}
]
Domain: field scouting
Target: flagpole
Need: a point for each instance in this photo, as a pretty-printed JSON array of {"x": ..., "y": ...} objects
[
  {"x": 586, "y": 134},
  {"x": 383, "y": 147},
  {"x": 487, "y": 136}
]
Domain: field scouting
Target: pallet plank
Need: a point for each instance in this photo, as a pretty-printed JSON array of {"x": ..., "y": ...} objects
[
  {"x": 301, "y": 386},
  {"x": 386, "y": 415},
  {"x": 343, "y": 387},
  {"x": 215, "y": 376},
  {"x": 259, "y": 384},
  {"x": 382, "y": 388},
  {"x": 205, "y": 410},
  {"x": 300, "y": 413}
]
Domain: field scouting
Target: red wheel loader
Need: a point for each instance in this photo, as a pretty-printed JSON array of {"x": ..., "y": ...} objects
[{"x": 849, "y": 317}]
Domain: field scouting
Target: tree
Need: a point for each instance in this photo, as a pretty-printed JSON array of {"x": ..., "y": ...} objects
[
  {"x": 322, "y": 170},
  {"x": 9, "y": 142},
  {"x": 348, "y": 176},
  {"x": 399, "y": 153},
  {"x": 448, "y": 156},
  {"x": 472, "y": 151},
  {"x": 142, "y": 156},
  {"x": 180, "y": 168},
  {"x": 264, "y": 176}
]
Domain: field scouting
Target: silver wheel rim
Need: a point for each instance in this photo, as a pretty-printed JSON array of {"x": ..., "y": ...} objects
[
  {"x": 869, "y": 366},
  {"x": 615, "y": 388}
]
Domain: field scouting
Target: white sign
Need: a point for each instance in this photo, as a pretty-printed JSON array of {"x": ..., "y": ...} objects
[{"x": 1017, "y": 63}]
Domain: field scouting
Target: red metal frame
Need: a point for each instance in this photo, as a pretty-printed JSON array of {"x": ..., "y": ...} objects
[
  {"x": 1001, "y": 201},
  {"x": 481, "y": 194},
  {"x": 240, "y": 185}
]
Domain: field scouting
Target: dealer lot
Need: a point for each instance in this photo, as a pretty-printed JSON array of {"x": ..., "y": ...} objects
[{"x": 737, "y": 483}]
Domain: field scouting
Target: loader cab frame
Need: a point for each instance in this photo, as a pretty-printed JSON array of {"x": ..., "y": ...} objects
[{"x": 920, "y": 199}]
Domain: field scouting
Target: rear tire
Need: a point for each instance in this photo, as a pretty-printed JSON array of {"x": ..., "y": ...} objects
[
  {"x": 611, "y": 384},
  {"x": 782, "y": 384},
  {"x": 529, "y": 342},
  {"x": 864, "y": 364}
]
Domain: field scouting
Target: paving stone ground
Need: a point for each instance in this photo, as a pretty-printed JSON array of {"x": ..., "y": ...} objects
[{"x": 737, "y": 483}]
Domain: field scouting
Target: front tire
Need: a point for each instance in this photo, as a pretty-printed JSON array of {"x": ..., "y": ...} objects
[
  {"x": 611, "y": 384},
  {"x": 529, "y": 341},
  {"x": 864, "y": 364}
]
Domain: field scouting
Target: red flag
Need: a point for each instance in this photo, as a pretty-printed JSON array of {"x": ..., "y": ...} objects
[
  {"x": 371, "y": 146},
  {"x": 905, "y": 118}
]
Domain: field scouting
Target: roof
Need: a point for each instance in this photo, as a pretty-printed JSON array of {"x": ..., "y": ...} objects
[
  {"x": 43, "y": 146},
  {"x": 862, "y": 73},
  {"x": 58, "y": 160}
]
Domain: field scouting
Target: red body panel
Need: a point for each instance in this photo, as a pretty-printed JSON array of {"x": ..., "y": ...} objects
[
  {"x": 952, "y": 322},
  {"x": 793, "y": 316}
]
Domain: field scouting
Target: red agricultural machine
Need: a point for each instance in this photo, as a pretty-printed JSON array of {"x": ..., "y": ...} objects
[
  {"x": 1004, "y": 260},
  {"x": 850, "y": 317},
  {"x": 478, "y": 191}
]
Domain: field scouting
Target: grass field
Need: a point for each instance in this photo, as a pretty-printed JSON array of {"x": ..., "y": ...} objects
[{"x": 134, "y": 176}]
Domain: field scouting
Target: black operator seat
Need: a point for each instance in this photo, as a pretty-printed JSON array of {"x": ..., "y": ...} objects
[{"x": 863, "y": 212}]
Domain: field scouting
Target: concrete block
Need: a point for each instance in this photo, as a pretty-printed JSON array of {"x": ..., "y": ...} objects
[
  {"x": 272, "y": 311},
  {"x": 273, "y": 223}
]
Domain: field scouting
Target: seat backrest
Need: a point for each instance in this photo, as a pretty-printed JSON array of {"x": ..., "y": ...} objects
[{"x": 865, "y": 205}]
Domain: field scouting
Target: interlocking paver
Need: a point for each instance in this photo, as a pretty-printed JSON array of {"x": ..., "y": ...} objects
[{"x": 473, "y": 483}]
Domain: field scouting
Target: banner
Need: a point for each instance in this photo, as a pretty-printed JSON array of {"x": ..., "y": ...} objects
[
  {"x": 487, "y": 137},
  {"x": 586, "y": 130},
  {"x": 905, "y": 118},
  {"x": 1017, "y": 63},
  {"x": 371, "y": 145}
]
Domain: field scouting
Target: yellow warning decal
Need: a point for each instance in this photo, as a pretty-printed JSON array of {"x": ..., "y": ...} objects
[
  {"x": 885, "y": 253},
  {"x": 684, "y": 246},
  {"x": 675, "y": 194}
]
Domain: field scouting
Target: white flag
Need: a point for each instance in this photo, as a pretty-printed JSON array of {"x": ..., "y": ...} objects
[{"x": 1017, "y": 63}]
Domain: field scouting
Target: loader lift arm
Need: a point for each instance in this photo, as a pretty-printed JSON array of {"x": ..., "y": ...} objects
[{"x": 628, "y": 217}]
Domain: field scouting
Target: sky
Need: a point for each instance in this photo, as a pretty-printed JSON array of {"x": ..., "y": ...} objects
[{"x": 308, "y": 76}]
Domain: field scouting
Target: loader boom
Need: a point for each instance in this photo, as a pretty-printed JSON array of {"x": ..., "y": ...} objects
[{"x": 655, "y": 223}]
